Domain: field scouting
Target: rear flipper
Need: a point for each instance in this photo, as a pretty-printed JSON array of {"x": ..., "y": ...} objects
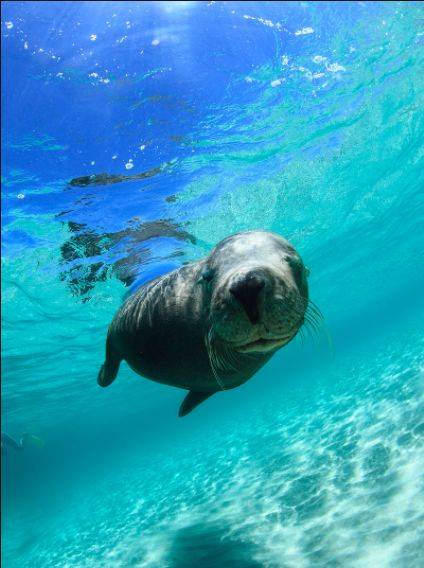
[
  {"x": 110, "y": 367},
  {"x": 192, "y": 400}
]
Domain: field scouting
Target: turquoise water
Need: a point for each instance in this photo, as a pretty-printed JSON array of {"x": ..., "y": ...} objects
[{"x": 301, "y": 118}]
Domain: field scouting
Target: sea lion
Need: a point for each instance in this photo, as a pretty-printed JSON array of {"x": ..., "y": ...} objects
[
  {"x": 7, "y": 442},
  {"x": 212, "y": 324}
]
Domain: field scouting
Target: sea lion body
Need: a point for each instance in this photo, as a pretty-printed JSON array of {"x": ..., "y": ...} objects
[{"x": 211, "y": 325}]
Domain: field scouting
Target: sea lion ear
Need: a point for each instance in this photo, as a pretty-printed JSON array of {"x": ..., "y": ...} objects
[{"x": 307, "y": 271}]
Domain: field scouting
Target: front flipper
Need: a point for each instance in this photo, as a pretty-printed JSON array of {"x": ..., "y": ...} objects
[
  {"x": 192, "y": 400},
  {"x": 110, "y": 367}
]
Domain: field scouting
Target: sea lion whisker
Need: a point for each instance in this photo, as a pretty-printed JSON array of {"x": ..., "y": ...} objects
[
  {"x": 316, "y": 315},
  {"x": 231, "y": 359},
  {"x": 312, "y": 311},
  {"x": 315, "y": 331},
  {"x": 313, "y": 321},
  {"x": 225, "y": 355},
  {"x": 213, "y": 357},
  {"x": 300, "y": 336},
  {"x": 328, "y": 338},
  {"x": 312, "y": 316},
  {"x": 310, "y": 334},
  {"x": 320, "y": 330},
  {"x": 312, "y": 305}
]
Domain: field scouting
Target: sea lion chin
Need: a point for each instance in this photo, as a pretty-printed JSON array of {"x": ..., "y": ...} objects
[{"x": 211, "y": 325}]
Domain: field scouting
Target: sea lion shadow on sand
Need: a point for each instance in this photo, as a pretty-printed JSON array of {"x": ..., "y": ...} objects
[{"x": 208, "y": 545}]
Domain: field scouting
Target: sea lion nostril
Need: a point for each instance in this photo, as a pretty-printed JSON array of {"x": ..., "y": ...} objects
[{"x": 247, "y": 291}]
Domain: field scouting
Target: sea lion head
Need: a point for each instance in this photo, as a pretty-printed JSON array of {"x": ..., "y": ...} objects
[{"x": 258, "y": 292}]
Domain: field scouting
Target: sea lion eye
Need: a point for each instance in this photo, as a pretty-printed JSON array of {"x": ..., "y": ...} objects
[
  {"x": 207, "y": 275},
  {"x": 299, "y": 271}
]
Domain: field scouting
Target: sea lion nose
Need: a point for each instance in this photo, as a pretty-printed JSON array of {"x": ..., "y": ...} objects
[{"x": 246, "y": 291}]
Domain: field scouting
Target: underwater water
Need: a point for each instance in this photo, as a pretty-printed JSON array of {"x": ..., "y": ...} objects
[{"x": 303, "y": 118}]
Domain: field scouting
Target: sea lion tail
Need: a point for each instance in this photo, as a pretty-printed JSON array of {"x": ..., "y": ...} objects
[{"x": 110, "y": 367}]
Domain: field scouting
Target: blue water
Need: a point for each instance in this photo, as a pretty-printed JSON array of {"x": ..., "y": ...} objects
[{"x": 302, "y": 118}]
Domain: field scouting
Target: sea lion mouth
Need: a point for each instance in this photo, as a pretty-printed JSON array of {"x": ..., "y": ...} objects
[{"x": 263, "y": 345}]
